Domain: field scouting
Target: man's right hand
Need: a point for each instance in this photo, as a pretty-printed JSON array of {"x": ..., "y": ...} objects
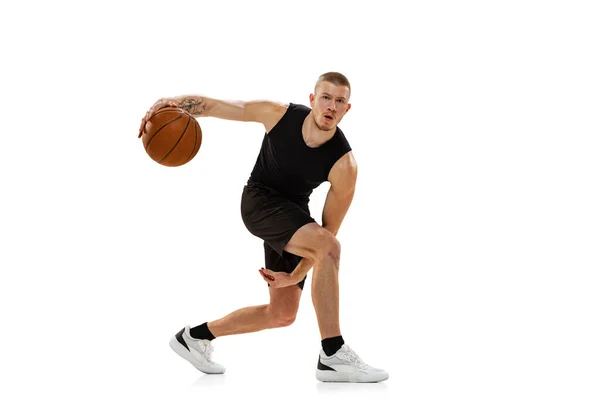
[
  {"x": 277, "y": 279},
  {"x": 161, "y": 103}
]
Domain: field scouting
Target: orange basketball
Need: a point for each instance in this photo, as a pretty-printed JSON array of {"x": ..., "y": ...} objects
[{"x": 172, "y": 137}]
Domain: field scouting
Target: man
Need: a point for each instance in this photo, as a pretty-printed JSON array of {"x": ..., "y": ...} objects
[{"x": 302, "y": 148}]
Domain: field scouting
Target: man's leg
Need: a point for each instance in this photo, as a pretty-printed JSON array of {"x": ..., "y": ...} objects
[
  {"x": 194, "y": 345},
  {"x": 337, "y": 361},
  {"x": 281, "y": 311},
  {"x": 318, "y": 244}
]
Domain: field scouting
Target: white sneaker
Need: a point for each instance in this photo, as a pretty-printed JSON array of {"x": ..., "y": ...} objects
[
  {"x": 196, "y": 351},
  {"x": 346, "y": 366}
]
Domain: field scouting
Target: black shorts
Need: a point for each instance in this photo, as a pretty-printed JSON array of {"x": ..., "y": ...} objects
[{"x": 274, "y": 218}]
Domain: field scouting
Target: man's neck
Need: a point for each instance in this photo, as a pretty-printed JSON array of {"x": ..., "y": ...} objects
[{"x": 312, "y": 134}]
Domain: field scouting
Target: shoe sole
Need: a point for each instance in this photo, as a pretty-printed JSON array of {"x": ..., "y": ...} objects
[
  {"x": 333, "y": 376},
  {"x": 186, "y": 355}
]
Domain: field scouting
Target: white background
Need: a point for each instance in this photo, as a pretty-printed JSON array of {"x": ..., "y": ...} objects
[{"x": 470, "y": 254}]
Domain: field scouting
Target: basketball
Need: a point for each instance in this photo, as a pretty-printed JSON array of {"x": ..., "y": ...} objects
[{"x": 172, "y": 137}]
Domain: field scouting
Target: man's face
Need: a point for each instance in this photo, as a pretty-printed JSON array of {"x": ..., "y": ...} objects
[{"x": 329, "y": 104}]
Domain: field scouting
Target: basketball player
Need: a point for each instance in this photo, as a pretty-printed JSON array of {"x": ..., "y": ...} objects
[{"x": 302, "y": 148}]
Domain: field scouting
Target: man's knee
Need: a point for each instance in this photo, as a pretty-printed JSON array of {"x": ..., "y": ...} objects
[
  {"x": 284, "y": 320},
  {"x": 282, "y": 317},
  {"x": 329, "y": 248}
]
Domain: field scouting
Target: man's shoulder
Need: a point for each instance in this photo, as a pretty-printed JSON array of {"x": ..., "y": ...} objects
[
  {"x": 288, "y": 107},
  {"x": 298, "y": 107},
  {"x": 292, "y": 114}
]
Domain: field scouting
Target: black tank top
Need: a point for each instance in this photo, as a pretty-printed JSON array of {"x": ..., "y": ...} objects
[{"x": 288, "y": 165}]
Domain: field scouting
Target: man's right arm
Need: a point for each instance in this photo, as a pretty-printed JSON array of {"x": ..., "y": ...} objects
[{"x": 265, "y": 112}]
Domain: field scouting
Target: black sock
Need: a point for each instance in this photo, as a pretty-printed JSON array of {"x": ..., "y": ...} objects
[
  {"x": 332, "y": 345},
  {"x": 201, "y": 332}
]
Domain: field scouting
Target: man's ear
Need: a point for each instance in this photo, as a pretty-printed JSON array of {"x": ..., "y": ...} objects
[{"x": 311, "y": 97}]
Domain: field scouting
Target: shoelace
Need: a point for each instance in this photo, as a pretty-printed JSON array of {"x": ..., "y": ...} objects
[
  {"x": 207, "y": 350},
  {"x": 350, "y": 356}
]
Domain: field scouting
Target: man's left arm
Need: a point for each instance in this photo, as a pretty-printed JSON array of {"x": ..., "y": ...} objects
[{"x": 343, "y": 181}]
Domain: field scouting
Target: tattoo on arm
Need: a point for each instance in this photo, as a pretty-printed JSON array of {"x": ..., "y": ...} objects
[{"x": 194, "y": 106}]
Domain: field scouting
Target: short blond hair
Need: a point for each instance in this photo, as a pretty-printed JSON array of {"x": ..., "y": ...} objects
[{"x": 336, "y": 78}]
